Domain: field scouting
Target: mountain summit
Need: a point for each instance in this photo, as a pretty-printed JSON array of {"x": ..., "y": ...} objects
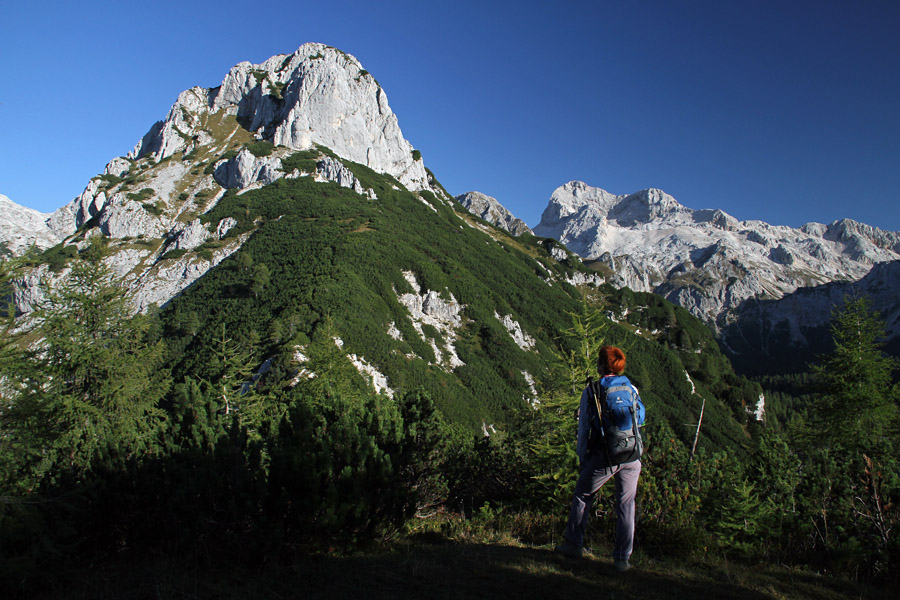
[{"x": 317, "y": 95}]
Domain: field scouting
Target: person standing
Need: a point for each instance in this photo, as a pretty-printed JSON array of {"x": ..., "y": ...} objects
[{"x": 598, "y": 465}]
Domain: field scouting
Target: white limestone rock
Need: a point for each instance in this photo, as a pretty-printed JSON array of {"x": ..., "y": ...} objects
[
  {"x": 22, "y": 227},
  {"x": 122, "y": 218},
  {"x": 171, "y": 135},
  {"x": 759, "y": 411},
  {"x": 29, "y": 290},
  {"x": 394, "y": 332},
  {"x": 429, "y": 308},
  {"x": 246, "y": 169},
  {"x": 329, "y": 169},
  {"x": 378, "y": 379},
  {"x": 578, "y": 278},
  {"x": 225, "y": 226},
  {"x": 532, "y": 397},
  {"x": 522, "y": 339},
  {"x": 118, "y": 167},
  {"x": 62, "y": 221},
  {"x": 124, "y": 261},
  {"x": 489, "y": 209},
  {"x": 317, "y": 95},
  {"x": 193, "y": 235},
  {"x": 89, "y": 203},
  {"x": 558, "y": 253}
]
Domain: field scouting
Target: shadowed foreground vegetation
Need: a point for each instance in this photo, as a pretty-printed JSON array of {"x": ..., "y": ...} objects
[{"x": 438, "y": 566}]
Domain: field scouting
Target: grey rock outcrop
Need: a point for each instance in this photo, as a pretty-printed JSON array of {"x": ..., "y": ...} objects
[
  {"x": 246, "y": 169},
  {"x": 118, "y": 167},
  {"x": 123, "y": 218},
  {"x": 225, "y": 226},
  {"x": 428, "y": 308},
  {"x": 489, "y": 209},
  {"x": 519, "y": 336},
  {"x": 329, "y": 169},
  {"x": 192, "y": 236}
]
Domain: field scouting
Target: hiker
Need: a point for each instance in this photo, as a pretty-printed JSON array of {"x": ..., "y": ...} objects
[{"x": 598, "y": 463}]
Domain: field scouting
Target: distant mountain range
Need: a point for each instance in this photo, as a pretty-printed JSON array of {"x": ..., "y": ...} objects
[{"x": 766, "y": 290}]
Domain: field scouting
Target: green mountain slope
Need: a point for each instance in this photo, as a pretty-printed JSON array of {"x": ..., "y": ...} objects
[{"x": 333, "y": 258}]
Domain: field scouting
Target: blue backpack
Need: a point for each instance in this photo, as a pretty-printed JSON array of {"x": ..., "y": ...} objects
[{"x": 614, "y": 422}]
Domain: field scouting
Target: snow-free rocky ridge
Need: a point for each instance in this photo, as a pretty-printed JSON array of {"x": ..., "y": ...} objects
[
  {"x": 489, "y": 209},
  {"x": 22, "y": 227}
]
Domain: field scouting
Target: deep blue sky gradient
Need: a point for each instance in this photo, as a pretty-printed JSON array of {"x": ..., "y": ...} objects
[{"x": 783, "y": 111}]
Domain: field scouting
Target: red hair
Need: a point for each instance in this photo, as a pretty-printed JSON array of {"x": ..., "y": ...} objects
[{"x": 611, "y": 361}]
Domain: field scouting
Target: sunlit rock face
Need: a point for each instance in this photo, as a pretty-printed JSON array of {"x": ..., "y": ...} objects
[
  {"x": 489, "y": 209},
  {"x": 22, "y": 227},
  {"x": 317, "y": 95}
]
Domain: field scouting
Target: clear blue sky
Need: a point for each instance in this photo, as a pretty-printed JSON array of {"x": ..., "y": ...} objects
[{"x": 785, "y": 111}]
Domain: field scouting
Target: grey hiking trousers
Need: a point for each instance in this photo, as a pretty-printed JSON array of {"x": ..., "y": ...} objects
[{"x": 594, "y": 473}]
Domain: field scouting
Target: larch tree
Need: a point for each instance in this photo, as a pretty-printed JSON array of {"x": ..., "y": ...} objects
[
  {"x": 88, "y": 393},
  {"x": 858, "y": 402}
]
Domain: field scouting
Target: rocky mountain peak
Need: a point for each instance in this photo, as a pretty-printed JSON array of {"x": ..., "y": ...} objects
[
  {"x": 294, "y": 115},
  {"x": 317, "y": 95}
]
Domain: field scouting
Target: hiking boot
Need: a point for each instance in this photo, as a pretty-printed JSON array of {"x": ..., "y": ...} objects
[
  {"x": 568, "y": 549},
  {"x": 621, "y": 565}
]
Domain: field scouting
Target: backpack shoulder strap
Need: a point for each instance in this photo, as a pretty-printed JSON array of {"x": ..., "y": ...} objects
[{"x": 596, "y": 390}]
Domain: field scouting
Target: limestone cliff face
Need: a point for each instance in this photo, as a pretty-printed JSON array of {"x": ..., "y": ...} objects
[
  {"x": 706, "y": 260},
  {"x": 317, "y": 95}
]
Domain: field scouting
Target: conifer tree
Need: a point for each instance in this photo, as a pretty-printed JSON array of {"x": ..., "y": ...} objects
[
  {"x": 89, "y": 395},
  {"x": 329, "y": 370},
  {"x": 586, "y": 335},
  {"x": 235, "y": 384},
  {"x": 850, "y": 443},
  {"x": 552, "y": 429},
  {"x": 10, "y": 347},
  {"x": 740, "y": 517},
  {"x": 669, "y": 493},
  {"x": 13, "y": 357},
  {"x": 859, "y": 399}
]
